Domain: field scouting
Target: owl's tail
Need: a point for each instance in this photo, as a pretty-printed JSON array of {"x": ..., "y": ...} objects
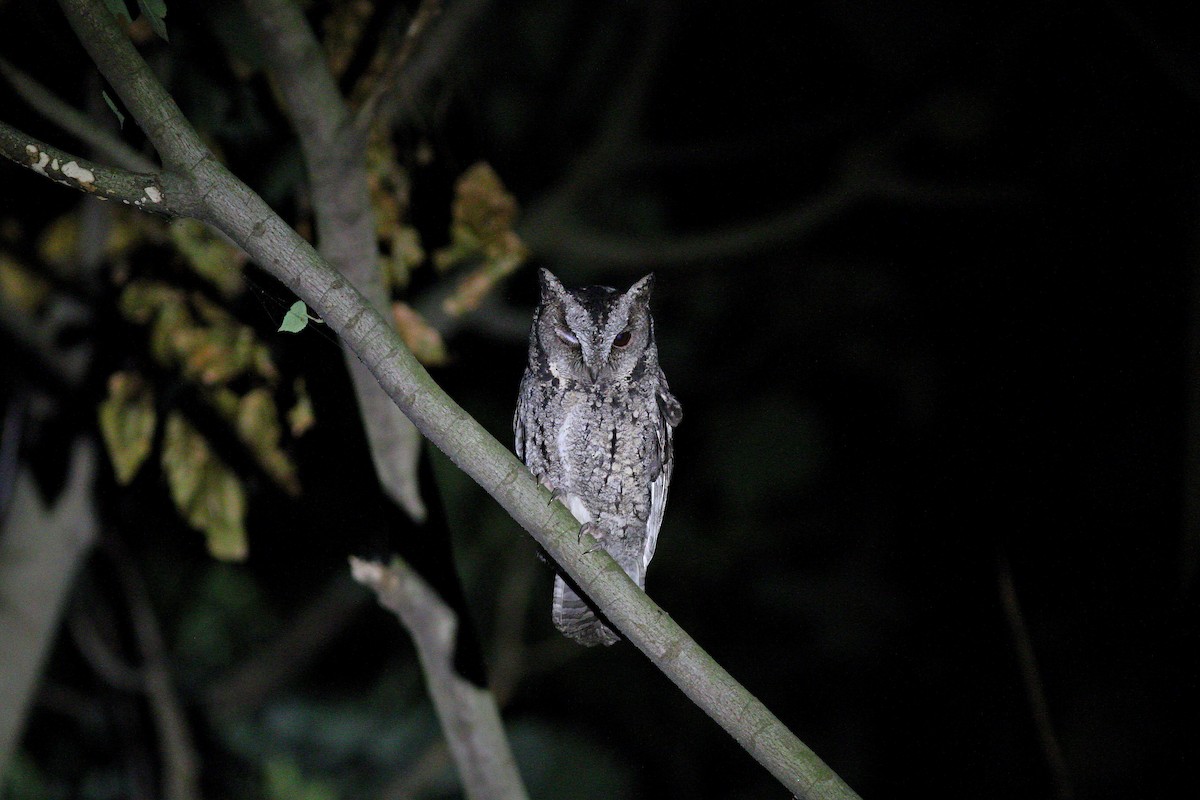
[{"x": 576, "y": 620}]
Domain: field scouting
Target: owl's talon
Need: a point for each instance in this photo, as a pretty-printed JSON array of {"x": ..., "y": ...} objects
[
  {"x": 593, "y": 530},
  {"x": 555, "y": 492}
]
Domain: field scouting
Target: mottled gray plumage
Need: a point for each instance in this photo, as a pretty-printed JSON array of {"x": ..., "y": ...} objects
[{"x": 593, "y": 421}]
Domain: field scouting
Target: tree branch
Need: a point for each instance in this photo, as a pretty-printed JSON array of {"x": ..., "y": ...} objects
[
  {"x": 178, "y": 145},
  {"x": 336, "y": 156},
  {"x": 147, "y": 192},
  {"x": 221, "y": 200},
  {"x": 556, "y": 232},
  {"x": 335, "y": 153},
  {"x": 468, "y": 712}
]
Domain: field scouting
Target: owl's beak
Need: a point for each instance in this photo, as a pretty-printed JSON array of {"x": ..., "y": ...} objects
[{"x": 593, "y": 372}]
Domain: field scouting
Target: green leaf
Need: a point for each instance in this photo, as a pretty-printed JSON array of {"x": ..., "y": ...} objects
[
  {"x": 155, "y": 11},
  {"x": 113, "y": 108},
  {"x": 117, "y": 9},
  {"x": 296, "y": 318}
]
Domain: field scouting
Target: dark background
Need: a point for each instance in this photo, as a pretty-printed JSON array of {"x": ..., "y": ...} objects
[{"x": 926, "y": 294}]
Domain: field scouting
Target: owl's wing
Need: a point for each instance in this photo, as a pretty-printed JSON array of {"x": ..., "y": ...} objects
[
  {"x": 519, "y": 424},
  {"x": 525, "y": 431},
  {"x": 669, "y": 415}
]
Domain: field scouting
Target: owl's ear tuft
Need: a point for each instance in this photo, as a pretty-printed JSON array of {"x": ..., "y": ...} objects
[
  {"x": 641, "y": 290},
  {"x": 551, "y": 287}
]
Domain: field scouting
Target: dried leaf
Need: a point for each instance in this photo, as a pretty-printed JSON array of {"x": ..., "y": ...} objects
[
  {"x": 210, "y": 346},
  {"x": 257, "y": 424},
  {"x": 482, "y": 206},
  {"x": 141, "y": 301},
  {"x": 405, "y": 255},
  {"x": 207, "y": 492},
  {"x": 481, "y": 231},
  {"x": 57, "y": 243},
  {"x": 422, "y": 338},
  {"x": 388, "y": 182},
  {"x": 127, "y": 420},
  {"x": 300, "y": 415},
  {"x": 470, "y": 292},
  {"x": 209, "y": 256},
  {"x": 171, "y": 318},
  {"x": 20, "y": 287}
]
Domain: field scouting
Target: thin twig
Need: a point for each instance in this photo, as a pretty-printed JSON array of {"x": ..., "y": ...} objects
[
  {"x": 74, "y": 121},
  {"x": 1035, "y": 691},
  {"x": 178, "y": 753},
  {"x": 566, "y": 237},
  {"x": 617, "y": 132},
  {"x": 99, "y": 656},
  {"x": 434, "y": 45},
  {"x": 303, "y": 639},
  {"x": 389, "y": 78}
]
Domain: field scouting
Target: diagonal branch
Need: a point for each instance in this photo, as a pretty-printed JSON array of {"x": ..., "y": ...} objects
[
  {"x": 219, "y": 199},
  {"x": 178, "y": 145}
]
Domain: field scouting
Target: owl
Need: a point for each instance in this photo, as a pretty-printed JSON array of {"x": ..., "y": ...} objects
[{"x": 594, "y": 422}]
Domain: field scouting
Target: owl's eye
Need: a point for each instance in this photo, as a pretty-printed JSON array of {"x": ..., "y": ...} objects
[
  {"x": 622, "y": 339},
  {"x": 566, "y": 336}
]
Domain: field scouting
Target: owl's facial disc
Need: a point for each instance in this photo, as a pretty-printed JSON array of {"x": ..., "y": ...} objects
[{"x": 595, "y": 335}]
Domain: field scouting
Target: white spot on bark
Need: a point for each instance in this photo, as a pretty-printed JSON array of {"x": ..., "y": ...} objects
[
  {"x": 153, "y": 193},
  {"x": 73, "y": 170},
  {"x": 43, "y": 160},
  {"x": 54, "y": 164}
]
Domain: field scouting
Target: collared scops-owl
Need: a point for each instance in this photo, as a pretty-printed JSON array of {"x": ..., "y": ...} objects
[{"x": 594, "y": 421}]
